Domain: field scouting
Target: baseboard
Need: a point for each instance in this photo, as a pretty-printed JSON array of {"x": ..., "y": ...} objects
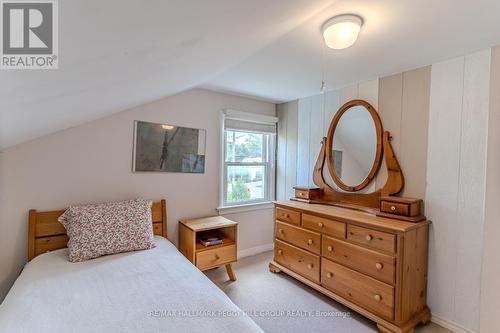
[
  {"x": 452, "y": 326},
  {"x": 255, "y": 250}
]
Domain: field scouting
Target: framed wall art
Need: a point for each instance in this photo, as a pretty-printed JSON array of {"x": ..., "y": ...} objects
[{"x": 168, "y": 148}]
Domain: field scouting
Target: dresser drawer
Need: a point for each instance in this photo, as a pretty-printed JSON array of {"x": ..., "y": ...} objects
[
  {"x": 401, "y": 206},
  {"x": 378, "y": 265},
  {"x": 372, "y": 238},
  {"x": 363, "y": 290},
  {"x": 331, "y": 227},
  {"x": 287, "y": 215},
  {"x": 302, "y": 194},
  {"x": 395, "y": 208},
  {"x": 300, "y": 237},
  {"x": 299, "y": 261},
  {"x": 307, "y": 193},
  {"x": 211, "y": 258}
]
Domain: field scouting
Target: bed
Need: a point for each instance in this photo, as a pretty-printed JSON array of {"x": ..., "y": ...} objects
[{"x": 156, "y": 290}]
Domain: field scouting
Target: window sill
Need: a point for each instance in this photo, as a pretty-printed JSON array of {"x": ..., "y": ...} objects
[{"x": 245, "y": 207}]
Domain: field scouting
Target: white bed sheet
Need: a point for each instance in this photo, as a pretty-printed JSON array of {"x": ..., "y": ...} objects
[{"x": 155, "y": 290}]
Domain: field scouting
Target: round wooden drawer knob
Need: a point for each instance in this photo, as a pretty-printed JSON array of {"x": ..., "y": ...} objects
[
  {"x": 329, "y": 275},
  {"x": 309, "y": 241},
  {"x": 281, "y": 231},
  {"x": 286, "y": 215},
  {"x": 310, "y": 266},
  {"x": 280, "y": 251},
  {"x": 377, "y": 297},
  {"x": 369, "y": 237},
  {"x": 216, "y": 256},
  {"x": 379, "y": 266},
  {"x": 393, "y": 208},
  {"x": 320, "y": 225},
  {"x": 330, "y": 248}
]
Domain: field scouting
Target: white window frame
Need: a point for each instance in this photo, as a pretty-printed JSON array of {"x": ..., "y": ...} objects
[{"x": 270, "y": 164}]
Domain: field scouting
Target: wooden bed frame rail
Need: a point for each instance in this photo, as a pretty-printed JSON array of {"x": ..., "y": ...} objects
[{"x": 45, "y": 233}]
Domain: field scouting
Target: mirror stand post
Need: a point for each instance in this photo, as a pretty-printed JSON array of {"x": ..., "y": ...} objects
[{"x": 395, "y": 179}]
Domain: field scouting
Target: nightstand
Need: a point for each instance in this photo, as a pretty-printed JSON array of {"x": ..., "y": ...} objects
[{"x": 208, "y": 257}]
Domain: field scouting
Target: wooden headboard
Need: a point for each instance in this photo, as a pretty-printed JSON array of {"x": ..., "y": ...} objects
[{"x": 45, "y": 233}]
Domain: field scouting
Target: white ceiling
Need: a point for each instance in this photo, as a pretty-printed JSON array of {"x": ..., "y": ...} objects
[
  {"x": 397, "y": 35},
  {"x": 116, "y": 54}
]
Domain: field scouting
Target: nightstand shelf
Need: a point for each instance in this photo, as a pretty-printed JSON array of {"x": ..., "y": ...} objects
[
  {"x": 225, "y": 242},
  {"x": 208, "y": 257}
]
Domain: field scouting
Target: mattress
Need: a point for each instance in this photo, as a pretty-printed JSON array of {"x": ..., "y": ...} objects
[{"x": 155, "y": 290}]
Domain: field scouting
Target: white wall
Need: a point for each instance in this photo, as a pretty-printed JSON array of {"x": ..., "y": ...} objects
[
  {"x": 314, "y": 116},
  {"x": 404, "y": 109},
  {"x": 490, "y": 278},
  {"x": 286, "y": 169},
  {"x": 456, "y": 167},
  {"x": 92, "y": 163},
  {"x": 438, "y": 117}
]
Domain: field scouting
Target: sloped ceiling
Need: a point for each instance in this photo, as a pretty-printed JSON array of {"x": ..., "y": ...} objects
[{"x": 116, "y": 54}]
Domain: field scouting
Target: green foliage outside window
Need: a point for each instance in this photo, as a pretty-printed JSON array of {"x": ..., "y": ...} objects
[
  {"x": 245, "y": 182},
  {"x": 239, "y": 192},
  {"x": 251, "y": 147},
  {"x": 242, "y": 145}
]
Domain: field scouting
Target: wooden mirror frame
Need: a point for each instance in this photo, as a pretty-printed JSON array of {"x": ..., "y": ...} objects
[
  {"x": 330, "y": 141},
  {"x": 325, "y": 194}
]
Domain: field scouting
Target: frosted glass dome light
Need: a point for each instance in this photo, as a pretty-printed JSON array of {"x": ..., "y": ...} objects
[{"x": 341, "y": 31}]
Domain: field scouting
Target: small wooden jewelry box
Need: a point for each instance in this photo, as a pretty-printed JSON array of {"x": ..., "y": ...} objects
[
  {"x": 307, "y": 194},
  {"x": 407, "y": 209}
]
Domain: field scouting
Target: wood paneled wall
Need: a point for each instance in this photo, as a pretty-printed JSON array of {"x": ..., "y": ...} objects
[
  {"x": 403, "y": 104},
  {"x": 404, "y": 109},
  {"x": 314, "y": 115},
  {"x": 456, "y": 185},
  {"x": 286, "y": 168},
  {"x": 490, "y": 283},
  {"x": 438, "y": 117}
]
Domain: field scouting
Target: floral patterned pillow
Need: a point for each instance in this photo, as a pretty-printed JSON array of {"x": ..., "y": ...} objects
[{"x": 108, "y": 228}]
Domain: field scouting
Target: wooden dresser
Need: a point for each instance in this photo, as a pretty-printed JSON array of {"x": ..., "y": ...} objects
[{"x": 374, "y": 265}]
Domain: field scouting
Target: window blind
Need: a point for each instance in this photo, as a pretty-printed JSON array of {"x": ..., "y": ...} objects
[{"x": 249, "y": 126}]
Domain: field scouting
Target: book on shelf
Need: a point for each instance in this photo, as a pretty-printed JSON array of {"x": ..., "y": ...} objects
[{"x": 210, "y": 241}]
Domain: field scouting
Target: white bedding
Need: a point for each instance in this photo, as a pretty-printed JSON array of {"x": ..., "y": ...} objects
[{"x": 129, "y": 292}]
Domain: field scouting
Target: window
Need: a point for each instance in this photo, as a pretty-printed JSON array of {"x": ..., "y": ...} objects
[{"x": 248, "y": 160}]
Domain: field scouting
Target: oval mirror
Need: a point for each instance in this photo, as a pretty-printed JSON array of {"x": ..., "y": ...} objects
[{"x": 354, "y": 145}]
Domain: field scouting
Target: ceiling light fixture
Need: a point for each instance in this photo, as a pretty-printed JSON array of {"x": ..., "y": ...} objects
[{"x": 341, "y": 31}]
